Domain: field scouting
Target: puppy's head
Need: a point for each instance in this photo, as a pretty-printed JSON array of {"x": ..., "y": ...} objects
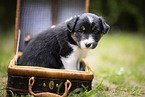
[{"x": 87, "y": 29}]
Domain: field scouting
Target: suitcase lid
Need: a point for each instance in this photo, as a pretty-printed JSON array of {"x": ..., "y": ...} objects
[{"x": 35, "y": 16}]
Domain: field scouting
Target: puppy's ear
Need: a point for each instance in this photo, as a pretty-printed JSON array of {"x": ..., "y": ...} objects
[
  {"x": 104, "y": 26},
  {"x": 71, "y": 23}
]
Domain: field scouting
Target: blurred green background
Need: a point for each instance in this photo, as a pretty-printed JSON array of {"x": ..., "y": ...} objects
[
  {"x": 122, "y": 15},
  {"x": 118, "y": 62}
]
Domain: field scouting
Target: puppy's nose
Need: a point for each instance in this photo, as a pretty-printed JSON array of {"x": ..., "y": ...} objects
[{"x": 88, "y": 45}]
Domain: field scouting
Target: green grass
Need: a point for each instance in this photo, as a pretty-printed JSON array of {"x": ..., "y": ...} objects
[
  {"x": 6, "y": 54},
  {"x": 118, "y": 61},
  {"x": 118, "y": 64},
  {"x": 6, "y": 51}
]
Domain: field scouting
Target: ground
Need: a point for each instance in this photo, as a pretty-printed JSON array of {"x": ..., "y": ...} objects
[{"x": 117, "y": 63}]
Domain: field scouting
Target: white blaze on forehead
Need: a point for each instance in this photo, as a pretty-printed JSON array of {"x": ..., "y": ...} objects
[
  {"x": 90, "y": 40},
  {"x": 90, "y": 19}
]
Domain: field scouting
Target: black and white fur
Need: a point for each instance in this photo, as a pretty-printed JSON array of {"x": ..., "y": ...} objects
[{"x": 65, "y": 45}]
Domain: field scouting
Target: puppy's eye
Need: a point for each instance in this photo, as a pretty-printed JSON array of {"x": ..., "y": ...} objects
[
  {"x": 82, "y": 29},
  {"x": 96, "y": 31}
]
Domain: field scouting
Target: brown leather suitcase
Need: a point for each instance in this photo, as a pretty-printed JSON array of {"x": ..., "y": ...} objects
[{"x": 46, "y": 80}]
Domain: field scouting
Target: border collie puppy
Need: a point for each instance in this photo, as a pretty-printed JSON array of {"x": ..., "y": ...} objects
[{"x": 65, "y": 45}]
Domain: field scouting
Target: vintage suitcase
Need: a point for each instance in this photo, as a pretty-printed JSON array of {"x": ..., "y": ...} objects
[{"x": 32, "y": 17}]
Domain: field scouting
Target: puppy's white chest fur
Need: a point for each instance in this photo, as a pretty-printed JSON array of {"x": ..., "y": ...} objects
[{"x": 72, "y": 61}]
